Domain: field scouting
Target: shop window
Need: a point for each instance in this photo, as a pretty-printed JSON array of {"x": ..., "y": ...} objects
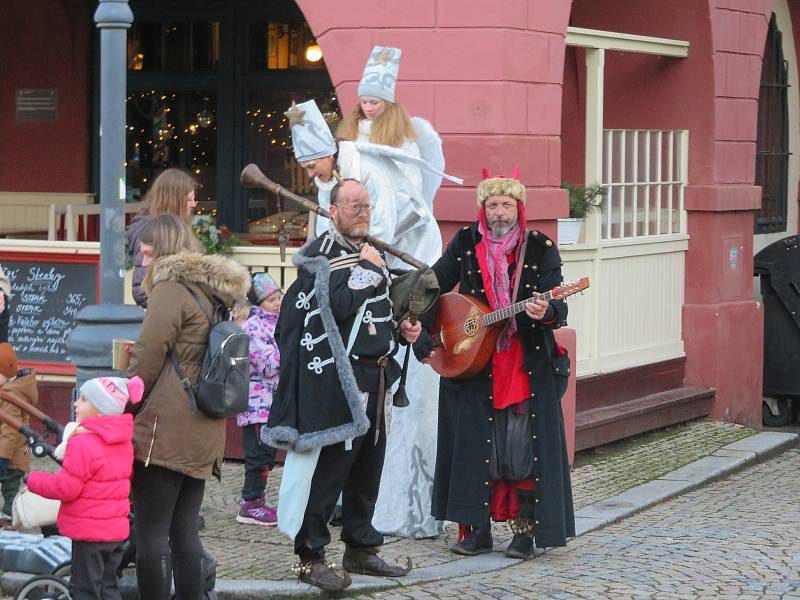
[
  {"x": 277, "y": 46},
  {"x": 173, "y": 46},
  {"x": 172, "y": 129},
  {"x": 772, "y": 142},
  {"x": 208, "y": 83}
]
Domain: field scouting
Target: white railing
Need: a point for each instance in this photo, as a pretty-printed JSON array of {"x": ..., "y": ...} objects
[
  {"x": 645, "y": 172},
  {"x": 635, "y": 254}
]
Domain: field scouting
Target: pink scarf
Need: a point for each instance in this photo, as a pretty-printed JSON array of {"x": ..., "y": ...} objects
[{"x": 497, "y": 251}]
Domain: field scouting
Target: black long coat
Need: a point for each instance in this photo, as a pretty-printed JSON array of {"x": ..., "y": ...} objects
[{"x": 461, "y": 488}]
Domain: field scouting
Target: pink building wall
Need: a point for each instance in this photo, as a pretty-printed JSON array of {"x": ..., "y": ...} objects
[
  {"x": 45, "y": 44},
  {"x": 486, "y": 74},
  {"x": 489, "y": 76},
  {"x": 714, "y": 94}
]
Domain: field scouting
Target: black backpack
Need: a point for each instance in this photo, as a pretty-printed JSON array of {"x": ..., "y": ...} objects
[{"x": 223, "y": 387}]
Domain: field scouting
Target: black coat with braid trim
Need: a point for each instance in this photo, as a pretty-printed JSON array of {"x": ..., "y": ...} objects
[{"x": 461, "y": 491}]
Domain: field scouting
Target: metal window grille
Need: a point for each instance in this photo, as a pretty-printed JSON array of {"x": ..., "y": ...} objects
[
  {"x": 644, "y": 171},
  {"x": 772, "y": 141}
]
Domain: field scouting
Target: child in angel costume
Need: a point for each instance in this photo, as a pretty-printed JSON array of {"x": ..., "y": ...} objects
[{"x": 402, "y": 174}]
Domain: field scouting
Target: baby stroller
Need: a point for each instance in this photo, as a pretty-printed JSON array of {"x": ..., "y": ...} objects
[
  {"x": 48, "y": 557},
  {"x": 54, "y": 584}
]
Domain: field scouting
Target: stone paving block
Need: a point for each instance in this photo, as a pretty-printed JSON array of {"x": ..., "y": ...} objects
[
  {"x": 483, "y": 563},
  {"x": 647, "y": 494},
  {"x": 766, "y": 443},
  {"x": 748, "y": 456},
  {"x": 709, "y": 467},
  {"x": 587, "y": 524}
]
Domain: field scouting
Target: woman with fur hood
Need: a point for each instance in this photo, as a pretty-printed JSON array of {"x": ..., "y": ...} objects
[{"x": 176, "y": 449}]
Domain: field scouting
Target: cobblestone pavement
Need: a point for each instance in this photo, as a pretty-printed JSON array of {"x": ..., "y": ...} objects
[
  {"x": 252, "y": 552},
  {"x": 733, "y": 539}
]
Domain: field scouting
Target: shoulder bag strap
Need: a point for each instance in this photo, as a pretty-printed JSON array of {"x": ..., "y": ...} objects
[
  {"x": 187, "y": 385},
  {"x": 519, "y": 266}
]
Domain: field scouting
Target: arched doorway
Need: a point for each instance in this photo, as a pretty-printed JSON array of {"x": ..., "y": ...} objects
[{"x": 208, "y": 83}]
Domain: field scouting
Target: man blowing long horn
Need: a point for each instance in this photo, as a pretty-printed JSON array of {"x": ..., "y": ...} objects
[{"x": 337, "y": 336}]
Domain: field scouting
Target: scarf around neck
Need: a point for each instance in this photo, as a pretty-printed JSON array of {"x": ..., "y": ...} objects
[{"x": 498, "y": 248}]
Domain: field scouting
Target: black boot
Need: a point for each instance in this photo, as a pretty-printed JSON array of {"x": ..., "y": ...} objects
[
  {"x": 365, "y": 561},
  {"x": 477, "y": 541},
  {"x": 521, "y": 546},
  {"x": 523, "y": 527},
  {"x": 154, "y": 577}
]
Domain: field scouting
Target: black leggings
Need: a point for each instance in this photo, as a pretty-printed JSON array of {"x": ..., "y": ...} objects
[{"x": 166, "y": 507}]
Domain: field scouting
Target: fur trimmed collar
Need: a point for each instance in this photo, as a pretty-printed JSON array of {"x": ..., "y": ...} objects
[{"x": 219, "y": 274}]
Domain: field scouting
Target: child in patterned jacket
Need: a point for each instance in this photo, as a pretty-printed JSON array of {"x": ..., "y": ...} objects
[{"x": 265, "y": 297}]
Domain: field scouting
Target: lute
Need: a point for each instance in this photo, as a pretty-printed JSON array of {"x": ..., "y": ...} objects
[{"x": 465, "y": 330}]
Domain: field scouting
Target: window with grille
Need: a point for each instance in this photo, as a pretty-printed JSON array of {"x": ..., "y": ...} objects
[
  {"x": 772, "y": 142},
  {"x": 645, "y": 175}
]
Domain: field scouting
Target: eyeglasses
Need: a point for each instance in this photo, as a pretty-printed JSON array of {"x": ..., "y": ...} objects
[{"x": 354, "y": 209}]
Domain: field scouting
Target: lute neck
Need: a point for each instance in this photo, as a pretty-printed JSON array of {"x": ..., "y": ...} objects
[{"x": 509, "y": 311}]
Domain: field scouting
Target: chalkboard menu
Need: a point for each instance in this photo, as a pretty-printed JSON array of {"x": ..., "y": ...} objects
[{"x": 46, "y": 295}]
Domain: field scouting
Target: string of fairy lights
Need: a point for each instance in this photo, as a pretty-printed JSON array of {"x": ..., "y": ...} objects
[{"x": 168, "y": 129}]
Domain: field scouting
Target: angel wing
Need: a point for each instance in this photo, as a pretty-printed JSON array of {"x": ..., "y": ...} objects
[
  {"x": 430, "y": 149},
  {"x": 398, "y": 155}
]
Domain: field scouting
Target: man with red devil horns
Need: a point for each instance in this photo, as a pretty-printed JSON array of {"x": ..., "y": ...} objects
[{"x": 502, "y": 451}]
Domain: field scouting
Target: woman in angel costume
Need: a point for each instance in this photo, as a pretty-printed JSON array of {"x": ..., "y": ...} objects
[{"x": 402, "y": 166}]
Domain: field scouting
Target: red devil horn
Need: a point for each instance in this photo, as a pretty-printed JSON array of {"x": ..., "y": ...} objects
[
  {"x": 485, "y": 173},
  {"x": 516, "y": 172}
]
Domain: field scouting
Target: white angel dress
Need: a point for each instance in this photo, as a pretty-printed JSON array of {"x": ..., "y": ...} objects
[{"x": 402, "y": 184}]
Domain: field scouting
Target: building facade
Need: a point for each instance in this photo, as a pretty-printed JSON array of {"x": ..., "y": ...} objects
[{"x": 686, "y": 112}]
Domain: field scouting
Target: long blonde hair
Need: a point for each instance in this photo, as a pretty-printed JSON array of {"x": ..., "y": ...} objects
[
  {"x": 169, "y": 234},
  {"x": 391, "y": 128},
  {"x": 169, "y": 194}
]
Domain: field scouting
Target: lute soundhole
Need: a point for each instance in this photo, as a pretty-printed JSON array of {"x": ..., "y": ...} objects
[{"x": 471, "y": 326}]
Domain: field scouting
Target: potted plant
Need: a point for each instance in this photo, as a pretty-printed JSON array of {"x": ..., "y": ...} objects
[{"x": 582, "y": 201}]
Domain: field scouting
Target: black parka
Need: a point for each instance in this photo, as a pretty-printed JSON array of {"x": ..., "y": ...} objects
[{"x": 461, "y": 490}]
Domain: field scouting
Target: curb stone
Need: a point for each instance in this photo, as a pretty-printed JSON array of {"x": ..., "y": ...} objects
[{"x": 724, "y": 461}]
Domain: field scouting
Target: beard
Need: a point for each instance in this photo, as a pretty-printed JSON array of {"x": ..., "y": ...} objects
[
  {"x": 500, "y": 227},
  {"x": 356, "y": 231}
]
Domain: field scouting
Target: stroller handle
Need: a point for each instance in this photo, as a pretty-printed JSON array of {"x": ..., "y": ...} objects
[
  {"x": 35, "y": 441},
  {"x": 29, "y": 408}
]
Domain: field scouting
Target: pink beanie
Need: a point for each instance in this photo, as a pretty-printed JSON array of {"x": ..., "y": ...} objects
[{"x": 109, "y": 395}]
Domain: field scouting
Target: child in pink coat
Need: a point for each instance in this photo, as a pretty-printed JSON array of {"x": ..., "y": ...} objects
[{"x": 94, "y": 485}]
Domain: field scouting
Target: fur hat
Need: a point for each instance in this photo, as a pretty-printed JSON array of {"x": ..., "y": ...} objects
[
  {"x": 501, "y": 186},
  {"x": 380, "y": 74},
  {"x": 8, "y": 360},
  {"x": 109, "y": 395}
]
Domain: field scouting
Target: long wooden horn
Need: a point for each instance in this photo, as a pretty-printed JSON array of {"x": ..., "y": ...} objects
[{"x": 254, "y": 177}]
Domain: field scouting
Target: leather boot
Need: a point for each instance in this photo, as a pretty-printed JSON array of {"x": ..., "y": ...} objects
[
  {"x": 477, "y": 541},
  {"x": 521, "y": 546},
  {"x": 154, "y": 577},
  {"x": 322, "y": 575},
  {"x": 523, "y": 527},
  {"x": 365, "y": 561}
]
